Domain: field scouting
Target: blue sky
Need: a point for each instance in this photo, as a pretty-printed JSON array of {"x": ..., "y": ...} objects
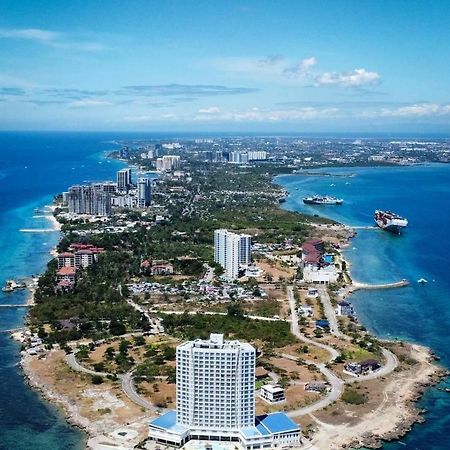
[{"x": 294, "y": 66}]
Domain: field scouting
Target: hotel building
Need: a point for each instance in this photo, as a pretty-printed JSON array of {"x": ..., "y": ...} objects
[{"x": 216, "y": 400}]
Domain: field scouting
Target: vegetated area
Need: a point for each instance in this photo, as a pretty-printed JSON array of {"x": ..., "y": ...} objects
[
  {"x": 236, "y": 198},
  {"x": 234, "y": 325}
]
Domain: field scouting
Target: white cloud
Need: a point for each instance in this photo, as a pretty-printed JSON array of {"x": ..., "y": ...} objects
[
  {"x": 210, "y": 110},
  {"x": 32, "y": 34},
  {"x": 355, "y": 78},
  {"x": 417, "y": 110},
  {"x": 51, "y": 39},
  {"x": 268, "y": 115},
  {"x": 302, "y": 68},
  {"x": 274, "y": 66},
  {"x": 89, "y": 102}
]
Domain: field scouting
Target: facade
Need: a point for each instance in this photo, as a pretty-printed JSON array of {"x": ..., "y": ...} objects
[
  {"x": 232, "y": 251},
  {"x": 272, "y": 393},
  {"x": 124, "y": 180},
  {"x": 257, "y": 155},
  {"x": 216, "y": 400},
  {"x": 144, "y": 192},
  {"x": 168, "y": 163},
  {"x": 86, "y": 199}
]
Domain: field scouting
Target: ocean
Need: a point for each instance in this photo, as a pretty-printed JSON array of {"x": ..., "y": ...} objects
[
  {"x": 420, "y": 312},
  {"x": 35, "y": 166}
]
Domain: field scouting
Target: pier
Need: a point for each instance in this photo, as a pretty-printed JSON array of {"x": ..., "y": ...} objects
[
  {"x": 37, "y": 230},
  {"x": 397, "y": 284},
  {"x": 14, "y": 305}
]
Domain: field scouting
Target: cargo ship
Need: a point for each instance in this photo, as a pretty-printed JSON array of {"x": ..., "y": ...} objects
[
  {"x": 389, "y": 221},
  {"x": 323, "y": 200}
]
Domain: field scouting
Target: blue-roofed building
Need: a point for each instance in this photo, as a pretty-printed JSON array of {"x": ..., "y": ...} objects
[
  {"x": 216, "y": 406},
  {"x": 322, "y": 324}
]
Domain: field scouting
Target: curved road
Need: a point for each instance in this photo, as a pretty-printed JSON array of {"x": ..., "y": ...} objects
[{"x": 335, "y": 382}]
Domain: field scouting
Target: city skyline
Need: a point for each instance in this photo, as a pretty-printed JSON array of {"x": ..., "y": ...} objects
[{"x": 226, "y": 66}]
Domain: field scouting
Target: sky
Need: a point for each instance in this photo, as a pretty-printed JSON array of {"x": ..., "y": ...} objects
[{"x": 225, "y": 65}]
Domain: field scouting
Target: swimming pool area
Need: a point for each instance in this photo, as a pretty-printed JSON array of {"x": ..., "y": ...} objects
[{"x": 329, "y": 259}]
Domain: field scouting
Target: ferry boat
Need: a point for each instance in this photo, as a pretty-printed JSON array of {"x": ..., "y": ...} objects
[
  {"x": 322, "y": 200},
  {"x": 389, "y": 221}
]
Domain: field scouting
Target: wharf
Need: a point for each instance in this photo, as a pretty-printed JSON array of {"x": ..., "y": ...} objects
[{"x": 397, "y": 284}]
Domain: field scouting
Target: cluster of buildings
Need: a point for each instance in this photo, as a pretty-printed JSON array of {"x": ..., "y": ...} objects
[
  {"x": 317, "y": 266},
  {"x": 168, "y": 163},
  {"x": 215, "y": 400},
  {"x": 98, "y": 198},
  {"x": 239, "y": 157},
  {"x": 78, "y": 256},
  {"x": 156, "y": 267},
  {"x": 232, "y": 251}
]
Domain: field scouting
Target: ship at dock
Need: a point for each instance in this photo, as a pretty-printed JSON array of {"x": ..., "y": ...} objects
[
  {"x": 389, "y": 221},
  {"x": 322, "y": 200}
]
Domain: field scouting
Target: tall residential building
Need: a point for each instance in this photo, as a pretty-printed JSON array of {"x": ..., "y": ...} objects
[
  {"x": 167, "y": 163},
  {"x": 216, "y": 400},
  {"x": 124, "y": 179},
  {"x": 144, "y": 192},
  {"x": 232, "y": 251},
  {"x": 86, "y": 199}
]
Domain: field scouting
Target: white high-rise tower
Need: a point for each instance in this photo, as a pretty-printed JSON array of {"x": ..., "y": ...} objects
[
  {"x": 216, "y": 384},
  {"x": 232, "y": 251}
]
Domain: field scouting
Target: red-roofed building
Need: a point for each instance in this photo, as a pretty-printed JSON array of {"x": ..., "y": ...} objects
[
  {"x": 66, "y": 274},
  {"x": 66, "y": 259}
]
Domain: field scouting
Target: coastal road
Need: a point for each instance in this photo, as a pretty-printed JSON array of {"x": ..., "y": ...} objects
[
  {"x": 330, "y": 312},
  {"x": 73, "y": 363},
  {"x": 295, "y": 328},
  {"x": 130, "y": 391}
]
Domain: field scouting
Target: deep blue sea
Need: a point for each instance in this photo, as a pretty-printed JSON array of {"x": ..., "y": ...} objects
[
  {"x": 35, "y": 166},
  {"x": 419, "y": 313}
]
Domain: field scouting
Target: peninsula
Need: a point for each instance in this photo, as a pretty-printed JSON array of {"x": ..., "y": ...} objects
[{"x": 142, "y": 267}]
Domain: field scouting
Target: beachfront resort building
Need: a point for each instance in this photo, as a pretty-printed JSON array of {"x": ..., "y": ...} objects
[
  {"x": 87, "y": 199},
  {"x": 317, "y": 266},
  {"x": 232, "y": 251},
  {"x": 216, "y": 400}
]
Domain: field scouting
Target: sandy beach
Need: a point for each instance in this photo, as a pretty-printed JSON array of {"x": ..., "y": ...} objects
[{"x": 55, "y": 224}]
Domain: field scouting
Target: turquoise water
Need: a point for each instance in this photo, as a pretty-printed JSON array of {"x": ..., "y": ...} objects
[{"x": 419, "y": 313}]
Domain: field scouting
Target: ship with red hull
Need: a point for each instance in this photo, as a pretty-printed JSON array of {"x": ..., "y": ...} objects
[{"x": 389, "y": 221}]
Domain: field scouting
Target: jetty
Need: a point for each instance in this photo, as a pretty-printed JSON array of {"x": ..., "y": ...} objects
[
  {"x": 396, "y": 284},
  {"x": 37, "y": 230},
  {"x": 14, "y": 305}
]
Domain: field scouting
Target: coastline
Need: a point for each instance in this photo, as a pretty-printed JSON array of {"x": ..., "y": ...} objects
[{"x": 373, "y": 432}]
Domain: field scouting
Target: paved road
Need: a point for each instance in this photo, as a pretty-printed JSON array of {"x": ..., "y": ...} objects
[
  {"x": 130, "y": 391},
  {"x": 336, "y": 383},
  {"x": 73, "y": 363},
  {"x": 330, "y": 313},
  {"x": 215, "y": 313},
  {"x": 389, "y": 366}
]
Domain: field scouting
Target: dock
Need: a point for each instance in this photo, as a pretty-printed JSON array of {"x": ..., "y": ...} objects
[
  {"x": 37, "y": 230},
  {"x": 14, "y": 305},
  {"x": 396, "y": 284}
]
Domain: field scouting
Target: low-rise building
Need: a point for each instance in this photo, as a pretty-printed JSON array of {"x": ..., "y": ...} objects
[
  {"x": 365, "y": 367},
  {"x": 272, "y": 393},
  {"x": 344, "y": 309}
]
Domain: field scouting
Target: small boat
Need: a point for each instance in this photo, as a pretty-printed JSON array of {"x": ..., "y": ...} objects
[
  {"x": 422, "y": 281},
  {"x": 11, "y": 285}
]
